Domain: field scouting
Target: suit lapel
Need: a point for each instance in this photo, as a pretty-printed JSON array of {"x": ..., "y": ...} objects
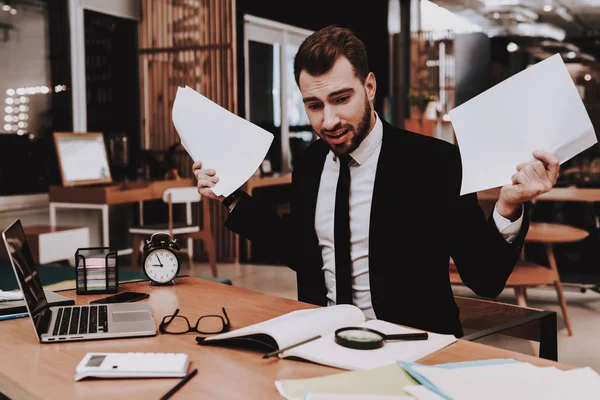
[
  {"x": 311, "y": 191},
  {"x": 392, "y": 167}
]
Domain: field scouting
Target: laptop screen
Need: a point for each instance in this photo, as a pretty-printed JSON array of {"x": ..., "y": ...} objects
[{"x": 26, "y": 273}]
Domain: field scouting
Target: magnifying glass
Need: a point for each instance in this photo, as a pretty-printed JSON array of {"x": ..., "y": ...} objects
[{"x": 360, "y": 338}]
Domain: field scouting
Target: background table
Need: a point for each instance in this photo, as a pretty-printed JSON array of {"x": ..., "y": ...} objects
[
  {"x": 571, "y": 194},
  {"x": 102, "y": 197}
]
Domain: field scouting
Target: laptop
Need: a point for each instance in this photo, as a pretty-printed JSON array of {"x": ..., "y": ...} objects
[{"x": 53, "y": 324}]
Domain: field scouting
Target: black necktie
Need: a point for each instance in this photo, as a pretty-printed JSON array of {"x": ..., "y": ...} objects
[{"x": 343, "y": 263}]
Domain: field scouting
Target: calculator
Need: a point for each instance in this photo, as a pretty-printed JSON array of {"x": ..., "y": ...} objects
[{"x": 132, "y": 365}]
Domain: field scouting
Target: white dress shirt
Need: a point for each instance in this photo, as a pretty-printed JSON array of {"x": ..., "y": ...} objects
[{"x": 362, "y": 176}]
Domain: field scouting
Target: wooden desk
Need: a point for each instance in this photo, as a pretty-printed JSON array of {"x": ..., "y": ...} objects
[
  {"x": 101, "y": 197},
  {"x": 555, "y": 194},
  {"x": 30, "y": 370},
  {"x": 256, "y": 182}
]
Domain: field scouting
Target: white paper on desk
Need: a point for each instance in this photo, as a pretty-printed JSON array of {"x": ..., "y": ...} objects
[
  {"x": 536, "y": 109},
  {"x": 518, "y": 381},
  {"x": 221, "y": 140},
  {"x": 351, "y": 396},
  {"x": 14, "y": 295}
]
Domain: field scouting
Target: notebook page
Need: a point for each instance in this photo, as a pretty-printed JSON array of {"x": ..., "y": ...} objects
[
  {"x": 300, "y": 325},
  {"x": 325, "y": 351}
]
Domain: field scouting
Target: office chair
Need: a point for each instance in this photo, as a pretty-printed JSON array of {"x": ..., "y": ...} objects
[{"x": 186, "y": 229}]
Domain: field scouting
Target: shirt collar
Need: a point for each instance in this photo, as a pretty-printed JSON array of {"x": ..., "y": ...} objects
[{"x": 369, "y": 144}]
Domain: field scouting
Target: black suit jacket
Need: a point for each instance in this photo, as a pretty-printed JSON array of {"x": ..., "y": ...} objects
[{"x": 418, "y": 221}]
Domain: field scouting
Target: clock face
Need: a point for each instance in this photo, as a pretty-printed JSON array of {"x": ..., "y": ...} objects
[{"x": 161, "y": 265}]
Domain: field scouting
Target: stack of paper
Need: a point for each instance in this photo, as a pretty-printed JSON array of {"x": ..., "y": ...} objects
[
  {"x": 503, "y": 378},
  {"x": 507, "y": 380},
  {"x": 398, "y": 380},
  {"x": 8, "y": 296},
  {"x": 95, "y": 273},
  {"x": 536, "y": 109},
  {"x": 383, "y": 381},
  {"x": 221, "y": 140}
]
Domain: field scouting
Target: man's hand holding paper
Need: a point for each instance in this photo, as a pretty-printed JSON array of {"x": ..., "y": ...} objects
[
  {"x": 207, "y": 179},
  {"x": 538, "y": 109},
  {"x": 531, "y": 180}
]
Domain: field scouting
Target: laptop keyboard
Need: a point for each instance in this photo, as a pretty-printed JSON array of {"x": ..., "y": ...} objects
[{"x": 79, "y": 320}]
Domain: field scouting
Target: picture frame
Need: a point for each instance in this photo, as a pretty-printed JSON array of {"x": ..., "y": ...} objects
[{"x": 82, "y": 158}]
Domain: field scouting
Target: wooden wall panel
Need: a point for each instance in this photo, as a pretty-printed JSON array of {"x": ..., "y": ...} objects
[{"x": 187, "y": 42}]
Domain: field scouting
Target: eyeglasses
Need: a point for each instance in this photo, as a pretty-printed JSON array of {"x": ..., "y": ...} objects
[{"x": 208, "y": 324}]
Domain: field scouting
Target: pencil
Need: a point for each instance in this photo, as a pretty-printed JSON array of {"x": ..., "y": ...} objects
[
  {"x": 276, "y": 352},
  {"x": 13, "y": 316},
  {"x": 179, "y": 384}
]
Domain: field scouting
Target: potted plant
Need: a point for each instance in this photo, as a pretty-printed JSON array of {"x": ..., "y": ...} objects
[{"x": 419, "y": 101}]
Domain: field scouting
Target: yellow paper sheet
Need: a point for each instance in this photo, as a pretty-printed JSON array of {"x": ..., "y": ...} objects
[{"x": 387, "y": 380}]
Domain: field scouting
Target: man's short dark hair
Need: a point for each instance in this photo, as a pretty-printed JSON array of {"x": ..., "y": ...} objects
[{"x": 320, "y": 51}]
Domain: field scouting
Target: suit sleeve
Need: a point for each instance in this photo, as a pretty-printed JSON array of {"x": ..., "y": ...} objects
[
  {"x": 261, "y": 224},
  {"x": 483, "y": 258}
]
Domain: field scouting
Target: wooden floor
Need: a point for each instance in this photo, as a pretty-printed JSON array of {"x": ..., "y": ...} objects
[{"x": 581, "y": 349}]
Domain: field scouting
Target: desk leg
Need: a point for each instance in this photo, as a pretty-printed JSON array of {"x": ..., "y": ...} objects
[
  {"x": 105, "y": 233},
  {"x": 141, "y": 208},
  {"x": 521, "y": 295},
  {"x": 549, "y": 337},
  {"x": 52, "y": 215},
  {"x": 558, "y": 287}
]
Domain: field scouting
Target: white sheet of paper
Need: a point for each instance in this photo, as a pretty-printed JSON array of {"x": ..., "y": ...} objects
[
  {"x": 14, "y": 295},
  {"x": 347, "y": 396},
  {"x": 221, "y": 140},
  {"x": 513, "y": 381},
  {"x": 536, "y": 109}
]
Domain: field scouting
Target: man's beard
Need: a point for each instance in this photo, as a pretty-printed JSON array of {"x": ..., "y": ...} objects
[
  {"x": 363, "y": 127},
  {"x": 362, "y": 130}
]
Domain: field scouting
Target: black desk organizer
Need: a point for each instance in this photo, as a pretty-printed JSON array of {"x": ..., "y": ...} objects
[{"x": 96, "y": 270}]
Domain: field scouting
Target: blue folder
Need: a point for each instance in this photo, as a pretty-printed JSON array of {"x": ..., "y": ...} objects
[{"x": 408, "y": 367}]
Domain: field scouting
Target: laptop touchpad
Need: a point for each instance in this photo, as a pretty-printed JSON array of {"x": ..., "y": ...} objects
[{"x": 130, "y": 316}]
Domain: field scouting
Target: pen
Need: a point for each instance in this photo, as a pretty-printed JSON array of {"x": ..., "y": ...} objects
[
  {"x": 276, "y": 352},
  {"x": 179, "y": 384},
  {"x": 13, "y": 316}
]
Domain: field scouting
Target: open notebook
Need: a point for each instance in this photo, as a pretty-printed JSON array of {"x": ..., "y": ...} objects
[{"x": 297, "y": 326}]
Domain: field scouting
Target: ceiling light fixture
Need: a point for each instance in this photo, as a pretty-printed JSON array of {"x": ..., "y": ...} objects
[
  {"x": 541, "y": 30},
  {"x": 564, "y": 14},
  {"x": 512, "y": 47},
  {"x": 587, "y": 77},
  {"x": 511, "y": 14}
]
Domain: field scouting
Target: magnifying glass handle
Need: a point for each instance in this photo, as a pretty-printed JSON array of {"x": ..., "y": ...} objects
[{"x": 408, "y": 336}]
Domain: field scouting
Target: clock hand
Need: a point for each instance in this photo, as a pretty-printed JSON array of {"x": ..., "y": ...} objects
[{"x": 159, "y": 260}]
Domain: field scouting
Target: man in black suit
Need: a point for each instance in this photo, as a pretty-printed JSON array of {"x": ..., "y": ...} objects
[{"x": 405, "y": 215}]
